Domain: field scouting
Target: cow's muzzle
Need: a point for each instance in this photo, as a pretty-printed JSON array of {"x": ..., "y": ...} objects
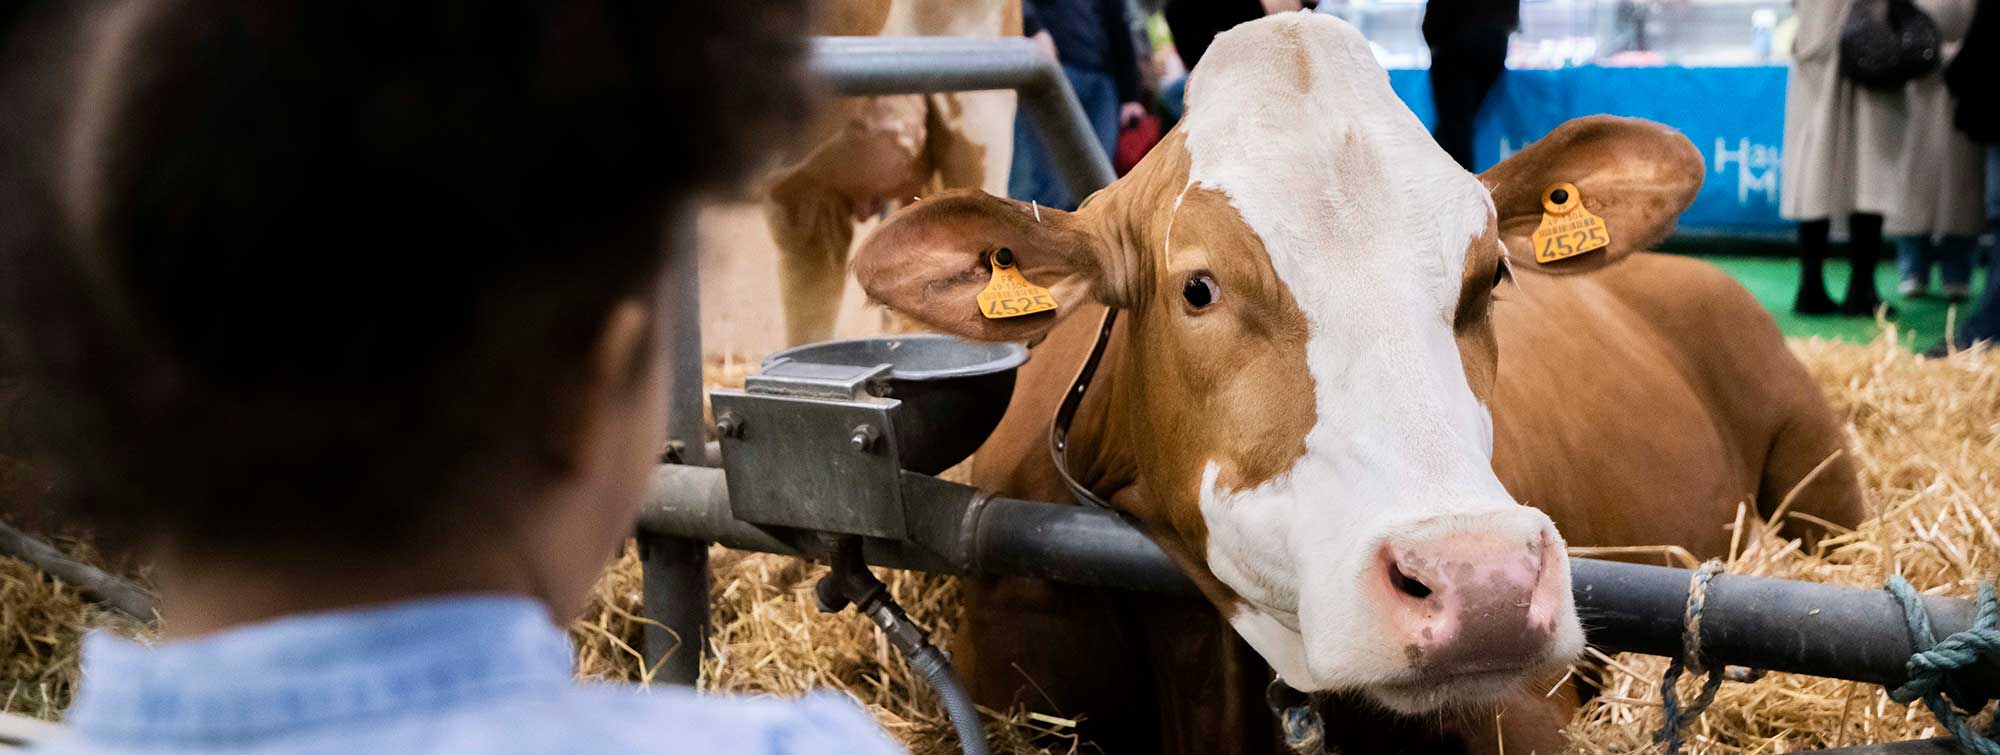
[{"x": 1475, "y": 601}]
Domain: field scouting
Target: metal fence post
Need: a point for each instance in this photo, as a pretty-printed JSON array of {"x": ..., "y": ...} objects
[
  {"x": 675, "y": 569},
  {"x": 676, "y": 595}
]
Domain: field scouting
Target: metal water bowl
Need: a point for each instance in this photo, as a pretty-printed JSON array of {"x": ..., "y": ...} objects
[{"x": 954, "y": 391}]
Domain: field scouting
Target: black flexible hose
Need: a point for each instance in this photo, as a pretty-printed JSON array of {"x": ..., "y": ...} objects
[
  {"x": 850, "y": 582},
  {"x": 931, "y": 664}
]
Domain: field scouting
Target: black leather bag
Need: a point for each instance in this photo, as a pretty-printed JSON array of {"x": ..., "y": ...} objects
[{"x": 1886, "y": 43}]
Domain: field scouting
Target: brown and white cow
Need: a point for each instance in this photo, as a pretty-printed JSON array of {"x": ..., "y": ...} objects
[
  {"x": 866, "y": 153},
  {"x": 1324, "y": 400}
]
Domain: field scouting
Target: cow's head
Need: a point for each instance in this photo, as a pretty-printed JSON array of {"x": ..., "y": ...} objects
[{"x": 1307, "y": 279}]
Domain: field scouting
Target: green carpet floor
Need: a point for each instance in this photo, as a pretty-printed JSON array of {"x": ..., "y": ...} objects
[{"x": 1920, "y": 322}]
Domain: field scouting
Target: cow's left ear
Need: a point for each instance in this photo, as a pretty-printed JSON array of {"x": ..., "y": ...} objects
[
  {"x": 1636, "y": 175},
  {"x": 933, "y": 260}
]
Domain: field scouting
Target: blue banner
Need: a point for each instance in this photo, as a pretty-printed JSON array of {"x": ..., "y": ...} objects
[{"x": 1735, "y": 116}]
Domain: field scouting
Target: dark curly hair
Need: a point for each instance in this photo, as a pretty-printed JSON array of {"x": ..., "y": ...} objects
[{"x": 301, "y": 274}]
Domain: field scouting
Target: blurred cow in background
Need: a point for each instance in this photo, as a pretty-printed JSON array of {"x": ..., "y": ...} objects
[{"x": 866, "y": 153}]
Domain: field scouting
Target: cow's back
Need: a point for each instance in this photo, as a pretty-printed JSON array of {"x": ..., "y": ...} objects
[{"x": 1641, "y": 404}]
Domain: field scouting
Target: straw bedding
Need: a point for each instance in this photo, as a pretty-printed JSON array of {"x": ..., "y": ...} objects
[
  {"x": 42, "y": 622},
  {"x": 1926, "y": 432}
]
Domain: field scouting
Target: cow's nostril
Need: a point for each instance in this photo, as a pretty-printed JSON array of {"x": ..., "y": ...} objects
[{"x": 1407, "y": 585}]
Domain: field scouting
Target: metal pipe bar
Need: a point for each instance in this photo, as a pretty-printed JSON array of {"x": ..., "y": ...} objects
[
  {"x": 1775, "y": 624},
  {"x": 866, "y": 66},
  {"x": 954, "y": 529},
  {"x": 674, "y": 569},
  {"x": 106, "y": 589}
]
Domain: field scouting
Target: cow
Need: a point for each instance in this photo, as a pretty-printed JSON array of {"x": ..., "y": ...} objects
[
  {"x": 867, "y": 153},
  {"x": 1338, "y": 371}
]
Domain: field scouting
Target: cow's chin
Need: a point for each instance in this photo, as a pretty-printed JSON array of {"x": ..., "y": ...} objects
[
  {"x": 1443, "y": 690},
  {"x": 1396, "y": 687},
  {"x": 1480, "y": 689}
]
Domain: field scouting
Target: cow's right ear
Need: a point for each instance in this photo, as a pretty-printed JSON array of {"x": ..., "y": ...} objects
[
  {"x": 930, "y": 261},
  {"x": 1634, "y": 175}
]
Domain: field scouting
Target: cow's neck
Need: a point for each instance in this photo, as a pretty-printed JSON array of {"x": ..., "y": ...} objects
[
  {"x": 1103, "y": 459},
  {"x": 1100, "y": 455}
]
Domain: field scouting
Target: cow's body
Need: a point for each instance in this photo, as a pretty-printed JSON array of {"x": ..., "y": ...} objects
[
  {"x": 868, "y": 153},
  {"x": 1641, "y": 405},
  {"x": 1326, "y": 404},
  {"x": 1637, "y": 406}
]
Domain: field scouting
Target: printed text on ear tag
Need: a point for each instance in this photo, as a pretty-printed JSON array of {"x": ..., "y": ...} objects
[
  {"x": 1009, "y": 294},
  {"x": 1567, "y": 229}
]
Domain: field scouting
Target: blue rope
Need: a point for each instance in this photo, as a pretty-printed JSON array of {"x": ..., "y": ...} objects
[
  {"x": 1930, "y": 668},
  {"x": 1691, "y": 660}
]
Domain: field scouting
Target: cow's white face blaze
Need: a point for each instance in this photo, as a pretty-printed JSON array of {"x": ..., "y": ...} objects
[
  {"x": 1368, "y": 224},
  {"x": 1307, "y": 280}
]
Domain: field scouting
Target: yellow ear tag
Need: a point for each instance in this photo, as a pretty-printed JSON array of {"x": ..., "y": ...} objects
[
  {"x": 1567, "y": 229},
  {"x": 1009, "y": 294}
]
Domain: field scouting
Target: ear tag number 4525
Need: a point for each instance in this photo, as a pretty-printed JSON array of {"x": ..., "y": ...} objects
[
  {"x": 1567, "y": 229},
  {"x": 1009, "y": 294}
]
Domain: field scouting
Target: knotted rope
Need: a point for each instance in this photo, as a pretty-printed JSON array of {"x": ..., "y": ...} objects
[
  {"x": 1931, "y": 666},
  {"x": 1690, "y": 660}
]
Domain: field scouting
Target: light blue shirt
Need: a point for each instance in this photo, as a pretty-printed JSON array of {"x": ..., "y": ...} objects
[{"x": 452, "y": 675}]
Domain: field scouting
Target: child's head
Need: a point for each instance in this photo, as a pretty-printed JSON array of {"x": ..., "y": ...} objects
[{"x": 317, "y": 283}]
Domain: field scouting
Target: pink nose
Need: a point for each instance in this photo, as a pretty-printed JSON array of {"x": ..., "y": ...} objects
[{"x": 1473, "y": 602}]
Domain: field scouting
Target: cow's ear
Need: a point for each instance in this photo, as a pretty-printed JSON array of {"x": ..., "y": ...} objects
[
  {"x": 1636, "y": 175},
  {"x": 931, "y": 260}
]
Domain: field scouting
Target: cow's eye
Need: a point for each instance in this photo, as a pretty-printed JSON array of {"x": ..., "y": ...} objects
[
  {"x": 1501, "y": 272},
  {"x": 1200, "y": 290}
]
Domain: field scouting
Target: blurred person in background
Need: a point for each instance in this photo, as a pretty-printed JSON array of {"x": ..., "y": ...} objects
[
  {"x": 1938, "y": 222},
  {"x": 1633, "y": 19},
  {"x": 1858, "y": 153},
  {"x": 1093, "y": 39},
  {"x": 1821, "y": 161},
  {"x": 1195, "y": 23},
  {"x": 1468, "y": 41},
  {"x": 349, "y": 315},
  {"x": 1982, "y": 326},
  {"x": 1970, "y": 77}
]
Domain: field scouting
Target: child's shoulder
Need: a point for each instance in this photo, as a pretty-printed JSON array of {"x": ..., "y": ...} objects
[{"x": 678, "y": 720}]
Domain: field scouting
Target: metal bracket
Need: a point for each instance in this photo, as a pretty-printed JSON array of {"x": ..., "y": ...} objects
[{"x": 808, "y": 446}]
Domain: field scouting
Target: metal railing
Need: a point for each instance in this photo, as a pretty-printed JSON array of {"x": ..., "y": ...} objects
[
  {"x": 675, "y": 565},
  {"x": 1760, "y": 622}
]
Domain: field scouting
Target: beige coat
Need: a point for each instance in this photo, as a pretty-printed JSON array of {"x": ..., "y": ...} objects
[{"x": 1849, "y": 149}]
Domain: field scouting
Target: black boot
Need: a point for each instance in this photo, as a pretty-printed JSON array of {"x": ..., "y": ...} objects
[
  {"x": 1864, "y": 252},
  {"x": 1812, "y": 297}
]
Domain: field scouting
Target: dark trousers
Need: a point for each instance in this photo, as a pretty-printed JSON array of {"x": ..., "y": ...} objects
[
  {"x": 1194, "y": 23},
  {"x": 1464, "y": 65},
  {"x": 1984, "y": 322}
]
